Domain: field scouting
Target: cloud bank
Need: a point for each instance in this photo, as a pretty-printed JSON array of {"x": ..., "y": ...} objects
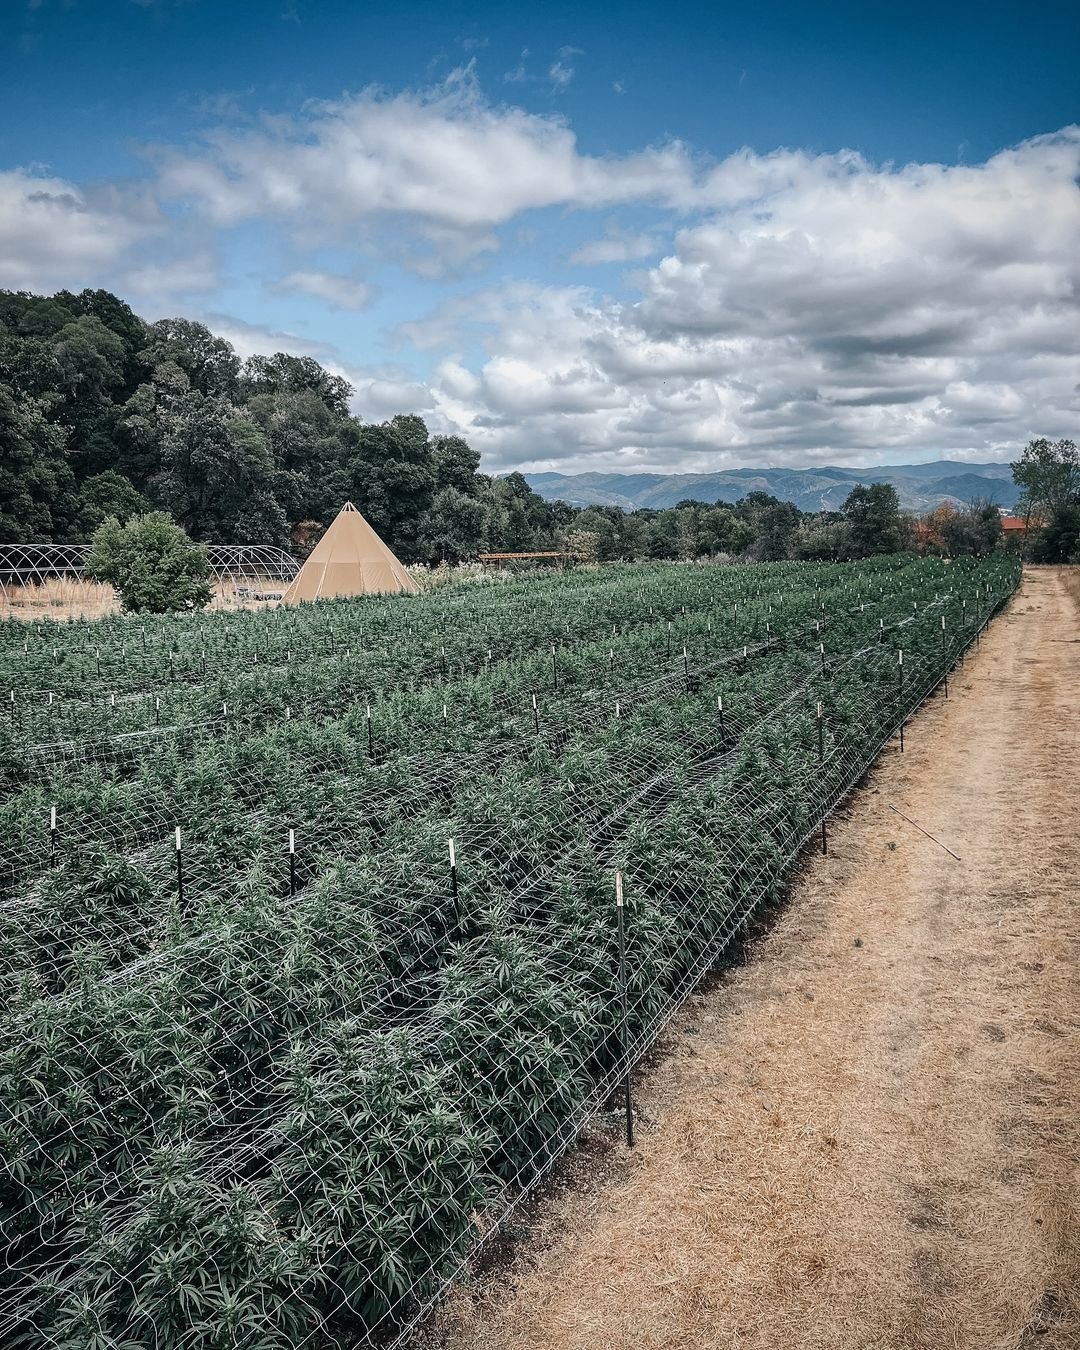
[{"x": 804, "y": 308}]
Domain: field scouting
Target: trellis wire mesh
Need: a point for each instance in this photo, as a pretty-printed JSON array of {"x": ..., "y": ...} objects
[{"x": 287, "y": 1108}]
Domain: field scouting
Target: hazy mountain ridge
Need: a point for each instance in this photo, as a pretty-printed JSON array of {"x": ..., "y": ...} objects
[{"x": 921, "y": 487}]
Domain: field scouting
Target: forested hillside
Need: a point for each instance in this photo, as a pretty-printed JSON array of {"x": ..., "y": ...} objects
[{"x": 103, "y": 414}]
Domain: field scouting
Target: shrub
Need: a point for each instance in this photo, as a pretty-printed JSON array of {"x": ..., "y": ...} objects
[{"x": 152, "y": 563}]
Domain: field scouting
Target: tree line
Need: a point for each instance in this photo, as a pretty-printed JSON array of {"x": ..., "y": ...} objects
[{"x": 104, "y": 416}]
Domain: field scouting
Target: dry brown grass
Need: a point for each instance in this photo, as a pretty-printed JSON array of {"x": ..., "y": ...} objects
[
  {"x": 869, "y": 1136},
  {"x": 1070, "y": 577},
  {"x": 75, "y": 598}
]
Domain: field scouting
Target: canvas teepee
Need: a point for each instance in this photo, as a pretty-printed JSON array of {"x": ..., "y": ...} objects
[{"x": 350, "y": 559}]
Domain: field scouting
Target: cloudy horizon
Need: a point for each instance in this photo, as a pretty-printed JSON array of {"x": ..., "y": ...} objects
[{"x": 458, "y": 248}]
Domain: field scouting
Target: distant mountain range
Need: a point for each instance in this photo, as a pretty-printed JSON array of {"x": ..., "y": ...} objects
[{"x": 921, "y": 487}]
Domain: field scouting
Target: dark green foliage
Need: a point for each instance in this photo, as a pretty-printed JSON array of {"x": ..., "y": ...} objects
[
  {"x": 875, "y": 522},
  {"x": 1059, "y": 539},
  {"x": 152, "y": 564},
  {"x": 1049, "y": 473}
]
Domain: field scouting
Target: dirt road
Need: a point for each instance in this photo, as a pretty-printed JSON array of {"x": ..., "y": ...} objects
[{"x": 868, "y": 1136}]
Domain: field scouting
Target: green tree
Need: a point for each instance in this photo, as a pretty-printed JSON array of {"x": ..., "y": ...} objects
[
  {"x": 774, "y": 523},
  {"x": 304, "y": 438},
  {"x": 107, "y": 494},
  {"x": 1059, "y": 540},
  {"x": 209, "y": 362},
  {"x": 875, "y": 521},
  {"x": 36, "y": 483},
  {"x": 825, "y": 537},
  {"x": 584, "y": 545},
  {"x": 453, "y": 527},
  {"x": 455, "y": 463},
  {"x": 152, "y": 563},
  {"x": 393, "y": 479},
  {"x": 216, "y": 474},
  {"x": 1048, "y": 472},
  {"x": 974, "y": 530},
  {"x": 283, "y": 374}
]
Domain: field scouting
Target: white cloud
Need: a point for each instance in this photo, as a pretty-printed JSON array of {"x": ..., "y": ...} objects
[
  {"x": 518, "y": 74},
  {"x": 55, "y": 234},
  {"x": 616, "y": 248},
  {"x": 339, "y": 292},
  {"x": 253, "y": 339},
  {"x": 810, "y": 307},
  {"x": 162, "y": 282},
  {"x": 562, "y": 71},
  {"x": 447, "y": 161},
  {"x": 380, "y": 391},
  {"x": 832, "y": 310}
]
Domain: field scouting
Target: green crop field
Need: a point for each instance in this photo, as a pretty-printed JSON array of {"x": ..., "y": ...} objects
[{"x": 272, "y": 1069}]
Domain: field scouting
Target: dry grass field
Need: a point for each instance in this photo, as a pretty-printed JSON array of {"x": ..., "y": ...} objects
[
  {"x": 76, "y": 598},
  {"x": 868, "y": 1136}
]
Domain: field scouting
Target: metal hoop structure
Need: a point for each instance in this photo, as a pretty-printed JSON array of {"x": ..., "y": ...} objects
[
  {"x": 35, "y": 564},
  {"x": 240, "y": 572}
]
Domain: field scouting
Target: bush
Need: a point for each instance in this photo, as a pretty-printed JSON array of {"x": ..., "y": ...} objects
[{"x": 152, "y": 563}]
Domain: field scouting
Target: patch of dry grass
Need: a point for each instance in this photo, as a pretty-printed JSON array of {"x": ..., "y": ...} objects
[{"x": 77, "y": 598}]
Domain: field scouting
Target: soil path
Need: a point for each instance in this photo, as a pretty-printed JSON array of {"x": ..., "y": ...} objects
[{"x": 868, "y": 1136}]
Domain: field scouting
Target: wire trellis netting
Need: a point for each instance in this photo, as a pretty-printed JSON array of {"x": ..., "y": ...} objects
[{"x": 308, "y": 941}]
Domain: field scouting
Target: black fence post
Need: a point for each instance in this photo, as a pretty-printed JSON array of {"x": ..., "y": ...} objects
[
  {"x": 624, "y": 1006},
  {"x": 52, "y": 837},
  {"x": 292, "y": 862}
]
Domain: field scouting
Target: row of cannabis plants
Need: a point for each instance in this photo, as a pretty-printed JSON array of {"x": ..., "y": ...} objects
[{"x": 285, "y": 1116}]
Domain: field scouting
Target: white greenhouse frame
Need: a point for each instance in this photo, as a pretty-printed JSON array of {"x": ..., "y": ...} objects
[{"x": 242, "y": 564}]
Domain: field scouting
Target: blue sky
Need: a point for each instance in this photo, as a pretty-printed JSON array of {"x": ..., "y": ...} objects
[{"x": 681, "y": 237}]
